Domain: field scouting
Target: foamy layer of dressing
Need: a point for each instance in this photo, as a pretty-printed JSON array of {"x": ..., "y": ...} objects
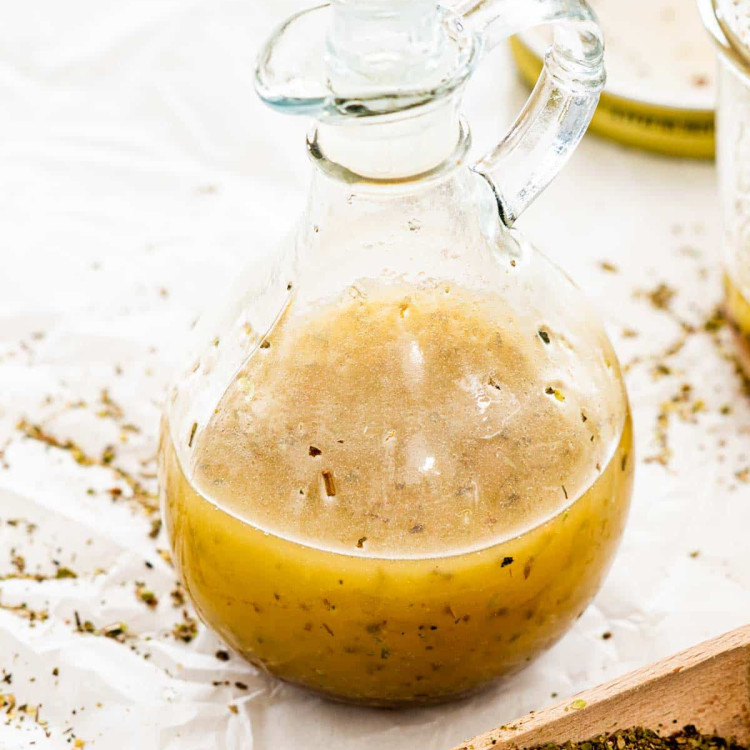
[
  {"x": 657, "y": 51},
  {"x": 409, "y": 423}
]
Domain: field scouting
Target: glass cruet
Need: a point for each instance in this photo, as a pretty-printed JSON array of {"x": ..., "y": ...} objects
[{"x": 398, "y": 463}]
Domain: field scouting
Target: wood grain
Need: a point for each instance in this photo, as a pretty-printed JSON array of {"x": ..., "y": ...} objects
[{"x": 708, "y": 685}]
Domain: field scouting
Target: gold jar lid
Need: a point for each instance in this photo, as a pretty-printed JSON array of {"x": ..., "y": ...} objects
[{"x": 661, "y": 76}]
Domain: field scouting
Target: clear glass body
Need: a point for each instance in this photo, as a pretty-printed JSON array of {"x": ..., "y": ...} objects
[
  {"x": 733, "y": 162},
  {"x": 402, "y": 467},
  {"x": 399, "y": 462}
]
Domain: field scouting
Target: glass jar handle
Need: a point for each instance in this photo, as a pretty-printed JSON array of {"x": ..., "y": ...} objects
[{"x": 561, "y": 105}]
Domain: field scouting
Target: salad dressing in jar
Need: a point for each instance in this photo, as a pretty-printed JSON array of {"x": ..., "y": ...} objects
[{"x": 401, "y": 463}]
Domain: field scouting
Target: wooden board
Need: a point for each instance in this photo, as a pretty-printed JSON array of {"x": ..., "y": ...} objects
[{"x": 708, "y": 685}]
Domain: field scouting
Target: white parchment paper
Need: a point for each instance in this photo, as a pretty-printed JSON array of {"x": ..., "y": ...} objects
[{"x": 137, "y": 172}]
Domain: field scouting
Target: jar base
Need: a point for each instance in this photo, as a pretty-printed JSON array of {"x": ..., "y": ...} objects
[{"x": 418, "y": 701}]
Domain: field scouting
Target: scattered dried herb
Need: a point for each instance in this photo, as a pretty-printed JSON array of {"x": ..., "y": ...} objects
[
  {"x": 715, "y": 321},
  {"x": 145, "y": 595},
  {"x": 685, "y": 408},
  {"x": 139, "y": 495},
  {"x": 544, "y": 336},
  {"x": 117, "y": 631},
  {"x": 25, "y": 612},
  {"x": 660, "y": 297},
  {"x": 110, "y": 409},
  {"x": 186, "y": 629}
]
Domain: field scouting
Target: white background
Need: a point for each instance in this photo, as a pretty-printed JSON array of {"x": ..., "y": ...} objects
[{"x": 137, "y": 173}]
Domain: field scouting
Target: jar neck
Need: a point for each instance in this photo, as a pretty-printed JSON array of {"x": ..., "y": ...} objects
[
  {"x": 388, "y": 148},
  {"x": 439, "y": 225}
]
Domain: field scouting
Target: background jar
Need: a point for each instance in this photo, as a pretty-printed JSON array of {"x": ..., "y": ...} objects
[{"x": 729, "y": 24}]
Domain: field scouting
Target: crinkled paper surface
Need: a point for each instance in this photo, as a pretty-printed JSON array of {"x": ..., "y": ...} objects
[{"x": 137, "y": 173}]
